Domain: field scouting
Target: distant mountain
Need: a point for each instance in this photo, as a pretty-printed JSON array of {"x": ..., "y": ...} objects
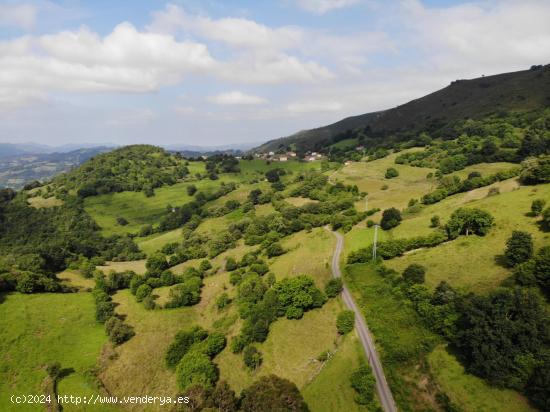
[
  {"x": 18, "y": 169},
  {"x": 190, "y": 150},
  {"x": 18, "y": 149},
  {"x": 509, "y": 92}
]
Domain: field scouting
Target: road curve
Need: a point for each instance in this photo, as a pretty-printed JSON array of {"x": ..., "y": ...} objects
[{"x": 384, "y": 392}]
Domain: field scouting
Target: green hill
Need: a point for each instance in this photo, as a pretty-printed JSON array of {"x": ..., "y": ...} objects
[{"x": 476, "y": 98}]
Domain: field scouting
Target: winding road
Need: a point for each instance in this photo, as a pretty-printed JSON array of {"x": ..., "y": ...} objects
[{"x": 384, "y": 392}]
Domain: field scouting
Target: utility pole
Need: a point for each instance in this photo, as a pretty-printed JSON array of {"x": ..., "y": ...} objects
[{"x": 374, "y": 243}]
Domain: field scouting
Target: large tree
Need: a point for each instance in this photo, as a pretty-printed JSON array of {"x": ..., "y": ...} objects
[{"x": 271, "y": 393}]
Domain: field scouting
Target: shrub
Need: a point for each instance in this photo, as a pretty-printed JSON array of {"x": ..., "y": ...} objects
[
  {"x": 466, "y": 221},
  {"x": 205, "y": 265},
  {"x": 414, "y": 274},
  {"x": 118, "y": 331},
  {"x": 298, "y": 294},
  {"x": 252, "y": 357},
  {"x": 104, "y": 310},
  {"x": 196, "y": 368},
  {"x": 214, "y": 344},
  {"x": 230, "y": 264},
  {"x": 334, "y": 287},
  {"x": 390, "y": 218},
  {"x": 519, "y": 248},
  {"x": 345, "y": 322},
  {"x": 185, "y": 294},
  {"x": 391, "y": 173},
  {"x": 143, "y": 291},
  {"x": 324, "y": 356},
  {"x": 182, "y": 343},
  {"x": 537, "y": 206},
  {"x": 273, "y": 394},
  {"x": 145, "y": 230},
  {"x": 156, "y": 263},
  {"x": 275, "y": 249},
  {"x": 364, "y": 383},
  {"x": 370, "y": 223},
  {"x": 222, "y": 301},
  {"x": 121, "y": 221},
  {"x": 191, "y": 190}
]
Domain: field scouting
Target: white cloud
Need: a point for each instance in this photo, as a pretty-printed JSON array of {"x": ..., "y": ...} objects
[
  {"x": 18, "y": 15},
  {"x": 323, "y": 6},
  {"x": 237, "y": 98},
  {"x": 125, "y": 60},
  {"x": 298, "y": 108}
]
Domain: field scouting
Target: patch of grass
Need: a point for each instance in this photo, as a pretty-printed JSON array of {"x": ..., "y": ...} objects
[
  {"x": 486, "y": 169},
  {"x": 308, "y": 254},
  {"x": 74, "y": 278},
  {"x": 138, "y": 209},
  {"x": 299, "y": 201},
  {"x": 469, "y": 392},
  {"x": 155, "y": 242},
  {"x": 137, "y": 266},
  {"x": 42, "y": 328},
  {"x": 331, "y": 389},
  {"x": 40, "y": 202},
  {"x": 369, "y": 177},
  {"x": 401, "y": 338},
  {"x": 470, "y": 262}
]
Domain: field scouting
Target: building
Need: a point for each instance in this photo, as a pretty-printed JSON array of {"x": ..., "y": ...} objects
[{"x": 283, "y": 159}]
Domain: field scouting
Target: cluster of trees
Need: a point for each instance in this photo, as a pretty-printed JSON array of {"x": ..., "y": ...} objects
[
  {"x": 363, "y": 382},
  {"x": 536, "y": 170},
  {"x": 131, "y": 168},
  {"x": 37, "y": 243},
  {"x": 191, "y": 354},
  {"x": 463, "y": 221},
  {"x": 450, "y": 185},
  {"x": 269, "y": 393},
  {"x": 222, "y": 163}
]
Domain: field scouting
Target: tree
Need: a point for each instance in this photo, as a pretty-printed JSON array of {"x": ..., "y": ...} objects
[
  {"x": 222, "y": 301},
  {"x": 121, "y": 221},
  {"x": 156, "y": 263},
  {"x": 196, "y": 368},
  {"x": 254, "y": 196},
  {"x": 334, "y": 287},
  {"x": 252, "y": 357},
  {"x": 390, "y": 218},
  {"x": 143, "y": 291},
  {"x": 230, "y": 264},
  {"x": 546, "y": 218},
  {"x": 205, "y": 265},
  {"x": 182, "y": 343},
  {"x": 274, "y": 249},
  {"x": 272, "y": 175},
  {"x": 271, "y": 393},
  {"x": 118, "y": 331},
  {"x": 537, "y": 206},
  {"x": 435, "y": 221},
  {"x": 519, "y": 248},
  {"x": 391, "y": 173},
  {"x": 345, "y": 322},
  {"x": 464, "y": 221},
  {"x": 191, "y": 190},
  {"x": 223, "y": 398},
  {"x": 542, "y": 268},
  {"x": 414, "y": 274},
  {"x": 364, "y": 383}
]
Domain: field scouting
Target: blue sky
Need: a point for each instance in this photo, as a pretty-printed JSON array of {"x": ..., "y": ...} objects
[{"x": 221, "y": 72}]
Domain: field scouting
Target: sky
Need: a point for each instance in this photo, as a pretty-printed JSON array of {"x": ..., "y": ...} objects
[{"x": 218, "y": 72}]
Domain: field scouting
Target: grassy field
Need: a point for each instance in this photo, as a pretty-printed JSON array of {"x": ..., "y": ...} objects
[
  {"x": 334, "y": 379},
  {"x": 369, "y": 177},
  {"x": 39, "y": 329},
  {"x": 308, "y": 254},
  {"x": 156, "y": 241},
  {"x": 469, "y": 392},
  {"x": 470, "y": 262},
  {"x": 138, "y": 209},
  {"x": 137, "y": 266},
  {"x": 74, "y": 278},
  {"x": 401, "y": 338},
  {"x": 486, "y": 169},
  {"x": 40, "y": 202}
]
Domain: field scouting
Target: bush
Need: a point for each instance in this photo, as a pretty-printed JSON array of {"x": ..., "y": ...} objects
[
  {"x": 222, "y": 301},
  {"x": 537, "y": 206},
  {"x": 182, "y": 343},
  {"x": 191, "y": 190},
  {"x": 143, "y": 291},
  {"x": 230, "y": 264},
  {"x": 271, "y": 393},
  {"x": 145, "y": 230},
  {"x": 121, "y": 221},
  {"x": 298, "y": 294},
  {"x": 464, "y": 221},
  {"x": 391, "y": 173},
  {"x": 196, "y": 368},
  {"x": 345, "y": 322},
  {"x": 214, "y": 344},
  {"x": 334, "y": 287},
  {"x": 185, "y": 294},
  {"x": 252, "y": 357},
  {"x": 118, "y": 331},
  {"x": 275, "y": 249},
  {"x": 205, "y": 265},
  {"x": 519, "y": 248},
  {"x": 364, "y": 384},
  {"x": 390, "y": 218},
  {"x": 414, "y": 274},
  {"x": 435, "y": 221},
  {"x": 156, "y": 263}
]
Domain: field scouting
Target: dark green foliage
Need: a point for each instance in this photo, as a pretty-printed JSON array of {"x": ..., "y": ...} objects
[
  {"x": 390, "y": 218},
  {"x": 271, "y": 393},
  {"x": 538, "y": 386},
  {"x": 185, "y": 294},
  {"x": 230, "y": 264},
  {"x": 224, "y": 399},
  {"x": 391, "y": 172},
  {"x": 519, "y": 248},
  {"x": 252, "y": 357},
  {"x": 133, "y": 168},
  {"x": 537, "y": 206},
  {"x": 182, "y": 343},
  {"x": 156, "y": 263},
  {"x": 396, "y": 247},
  {"x": 272, "y": 175},
  {"x": 334, "y": 287},
  {"x": 414, "y": 274},
  {"x": 536, "y": 170},
  {"x": 501, "y": 336},
  {"x": 214, "y": 344},
  {"x": 465, "y": 221},
  {"x": 297, "y": 295},
  {"x": 274, "y": 249},
  {"x": 196, "y": 368},
  {"x": 345, "y": 322},
  {"x": 435, "y": 221},
  {"x": 191, "y": 190},
  {"x": 121, "y": 221},
  {"x": 362, "y": 380},
  {"x": 143, "y": 291},
  {"x": 222, "y": 301},
  {"x": 205, "y": 265},
  {"x": 546, "y": 218},
  {"x": 118, "y": 331}
]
